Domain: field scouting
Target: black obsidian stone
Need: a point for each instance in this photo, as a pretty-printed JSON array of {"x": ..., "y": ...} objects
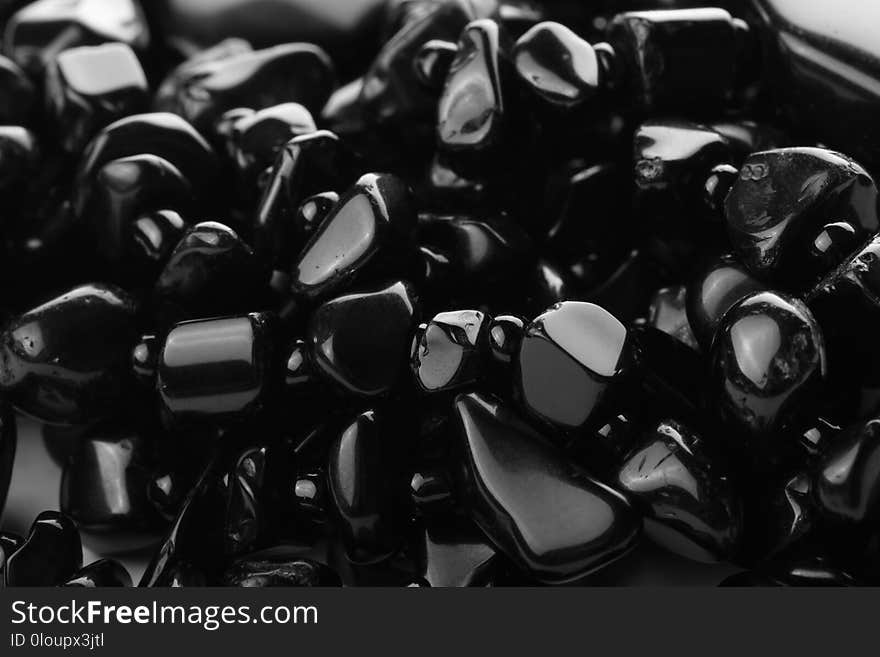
[
  {"x": 847, "y": 478},
  {"x": 105, "y": 573},
  {"x": 505, "y": 336},
  {"x": 372, "y": 222},
  {"x": 677, "y": 59},
  {"x": 455, "y": 554},
  {"x": 569, "y": 360},
  {"x": 219, "y": 369},
  {"x": 538, "y": 508},
  {"x": 273, "y": 569},
  {"x": 557, "y": 64},
  {"x": 691, "y": 507},
  {"x": 293, "y": 72},
  {"x": 768, "y": 363},
  {"x": 314, "y": 210},
  {"x": 104, "y": 487},
  {"x": 361, "y": 341},
  {"x": 711, "y": 294},
  {"x": 781, "y": 203},
  {"x": 67, "y": 361},
  {"x": 19, "y": 158},
  {"x": 49, "y": 556},
  {"x": 17, "y": 92},
  {"x": 433, "y": 62},
  {"x": 160, "y": 134},
  {"x": 38, "y": 32},
  {"x": 845, "y": 304},
  {"x": 786, "y": 516},
  {"x": 363, "y": 489},
  {"x": 90, "y": 87},
  {"x": 211, "y": 272},
  {"x": 449, "y": 351}
]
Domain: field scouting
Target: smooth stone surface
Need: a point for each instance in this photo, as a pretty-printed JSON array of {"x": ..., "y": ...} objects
[
  {"x": 361, "y": 341},
  {"x": 67, "y": 361},
  {"x": 454, "y": 557},
  {"x": 667, "y": 313},
  {"x": 691, "y": 506},
  {"x": 257, "y": 138},
  {"x": 104, "y": 573},
  {"x": 49, "y": 556},
  {"x": 847, "y": 479},
  {"x": 539, "y": 509},
  {"x": 219, "y": 369},
  {"x": 19, "y": 158},
  {"x": 17, "y": 92},
  {"x": 568, "y": 360},
  {"x": 448, "y": 351},
  {"x": 274, "y": 570},
  {"x": 505, "y": 337},
  {"x": 768, "y": 363},
  {"x": 433, "y": 62}
]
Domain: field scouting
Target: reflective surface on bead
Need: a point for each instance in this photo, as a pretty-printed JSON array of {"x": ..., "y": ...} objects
[
  {"x": 17, "y": 92},
  {"x": 90, "y": 87},
  {"x": 433, "y": 62},
  {"x": 37, "y": 33},
  {"x": 256, "y": 139},
  {"x": 67, "y": 361},
  {"x": 540, "y": 510},
  {"x": 104, "y": 573},
  {"x": 217, "y": 369},
  {"x": 362, "y": 489},
  {"x": 781, "y": 202},
  {"x": 713, "y": 292},
  {"x": 294, "y": 72},
  {"x": 371, "y": 222},
  {"x": 314, "y": 210},
  {"x": 361, "y": 340},
  {"x": 49, "y": 556},
  {"x": 667, "y": 313},
  {"x": 847, "y": 484},
  {"x": 690, "y": 503},
  {"x": 264, "y": 570},
  {"x": 568, "y": 358},
  {"x": 557, "y": 64},
  {"x": 505, "y": 335},
  {"x": 768, "y": 362},
  {"x": 448, "y": 351},
  {"x": 696, "y": 50},
  {"x": 211, "y": 272},
  {"x": 788, "y": 515}
]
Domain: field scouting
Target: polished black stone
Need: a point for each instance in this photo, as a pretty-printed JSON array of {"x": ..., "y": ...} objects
[
  {"x": 104, "y": 487},
  {"x": 211, "y": 272},
  {"x": 691, "y": 507},
  {"x": 219, "y": 369},
  {"x": 104, "y": 573},
  {"x": 49, "y": 556},
  {"x": 361, "y": 341},
  {"x": 810, "y": 572},
  {"x": 768, "y": 363},
  {"x": 677, "y": 59},
  {"x": 505, "y": 336},
  {"x": 433, "y": 62},
  {"x": 667, "y": 313},
  {"x": 455, "y": 555},
  {"x": 847, "y": 478},
  {"x": 373, "y": 222},
  {"x": 17, "y": 92},
  {"x": 38, "y": 32},
  {"x": 67, "y": 361},
  {"x": 711, "y": 294},
  {"x": 271, "y": 569},
  {"x": 314, "y": 210},
  {"x": 539, "y": 509},
  {"x": 89, "y": 87},
  {"x": 557, "y": 64},
  {"x": 294, "y": 72},
  {"x": 783, "y": 518},
  {"x": 363, "y": 489},
  {"x": 783, "y": 199},
  {"x": 568, "y": 362},
  {"x": 448, "y": 352},
  {"x": 19, "y": 158}
]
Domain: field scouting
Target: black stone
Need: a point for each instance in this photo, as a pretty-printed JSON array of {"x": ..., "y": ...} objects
[{"x": 51, "y": 554}]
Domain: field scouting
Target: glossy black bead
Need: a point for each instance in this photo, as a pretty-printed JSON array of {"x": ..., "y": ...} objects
[
  {"x": 211, "y": 272},
  {"x": 270, "y": 569},
  {"x": 361, "y": 341},
  {"x": 677, "y": 59},
  {"x": 219, "y": 369},
  {"x": 505, "y": 336},
  {"x": 41, "y": 30},
  {"x": 690, "y": 503},
  {"x": 569, "y": 360},
  {"x": 372, "y": 222},
  {"x": 711, "y": 294},
  {"x": 448, "y": 352},
  {"x": 557, "y": 64},
  {"x": 49, "y": 556},
  {"x": 433, "y": 62},
  {"x": 161, "y": 134},
  {"x": 67, "y": 361},
  {"x": 17, "y": 93},
  {"x": 89, "y": 87},
  {"x": 104, "y": 488},
  {"x": 768, "y": 363},
  {"x": 847, "y": 478},
  {"x": 781, "y": 203},
  {"x": 294, "y": 72},
  {"x": 101, "y": 574},
  {"x": 540, "y": 510},
  {"x": 363, "y": 489}
]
